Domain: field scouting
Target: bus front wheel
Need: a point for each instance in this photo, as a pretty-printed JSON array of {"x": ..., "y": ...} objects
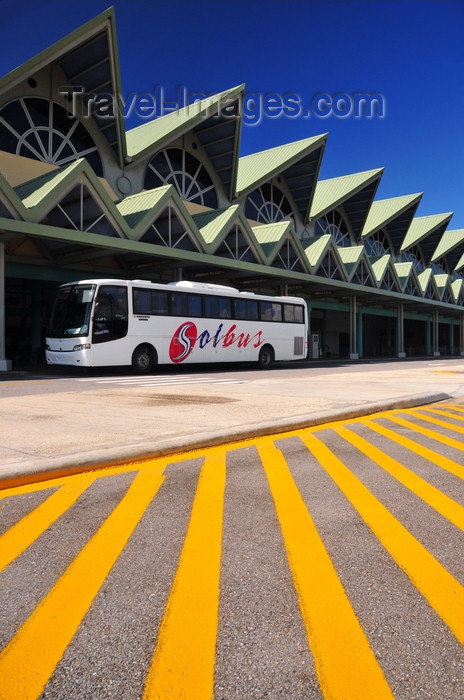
[
  {"x": 143, "y": 359},
  {"x": 266, "y": 357}
]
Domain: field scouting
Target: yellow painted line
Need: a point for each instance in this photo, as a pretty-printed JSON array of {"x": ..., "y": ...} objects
[
  {"x": 430, "y": 455},
  {"x": 440, "y": 412},
  {"x": 443, "y": 504},
  {"x": 183, "y": 663},
  {"x": 345, "y": 663},
  {"x": 29, "y": 660},
  {"x": 452, "y": 406},
  {"x": 21, "y": 535},
  {"x": 437, "y": 421},
  {"x": 443, "y": 592},
  {"x": 432, "y": 434}
]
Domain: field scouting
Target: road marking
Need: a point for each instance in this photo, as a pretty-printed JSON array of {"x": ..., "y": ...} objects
[
  {"x": 40, "y": 643},
  {"x": 21, "y": 535},
  {"x": 440, "y": 412},
  {"x": 183, "y": 663},
  {"x": 437, "y": 421},
  {"x": 345, "y": 663},
  {"x": 432, "y": 434},
  {"x": 444, "y": 593},
  {"x": 428, "y": 454},
  {"x": 163, "y": 381},
  {"x": 443, "y": 504}
]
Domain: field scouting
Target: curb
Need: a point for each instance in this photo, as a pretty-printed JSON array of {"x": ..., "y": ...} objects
[{"x": 43, "y": 469}]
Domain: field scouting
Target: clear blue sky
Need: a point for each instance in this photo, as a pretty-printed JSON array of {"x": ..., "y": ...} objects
[{"x": 411, "y": 52}]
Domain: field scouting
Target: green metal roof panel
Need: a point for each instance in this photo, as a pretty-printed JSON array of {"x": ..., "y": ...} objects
[
  {"x": 351, "y": 255},
  {"x": 136, "y": 207},
  {"x": 34, "y": 191},
  {"x": 258, "y": 167},
  {"x": 212, "y": 224},
  {"x": 441, "y": 281},
  {"x": 423, "y": 226},
  {"x": 383, "y": 211},
  {"x": 423, "y": 279},
  {"x": 449, "y": 241},
  {"x": 379, "y": 267},
  {"x": 315, "y": 249},
  {"x": 331, "y": 193},
  {"x": 145, "y": 137},
  {"x": 403, "y": 270}
]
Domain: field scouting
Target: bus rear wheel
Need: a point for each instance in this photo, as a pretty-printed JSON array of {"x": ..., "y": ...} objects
[
  {"x": 143, "y": 359},
  {"x": 266, "y": 357}
]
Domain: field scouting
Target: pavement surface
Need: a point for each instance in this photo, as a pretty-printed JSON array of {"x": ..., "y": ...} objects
[{"x": 51, "y": 425}]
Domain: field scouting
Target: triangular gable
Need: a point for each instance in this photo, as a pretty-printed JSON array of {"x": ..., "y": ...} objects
[
  {"x": 426, "y": 231},
  {"x": 298, "y": 163},
  {"x": 412, "y": 286},
  {"x": 450, "y": 247},
  {"x": 88, "y": 58},
  {"x": 403, "y": 271},
  {"x": 71, "y": 197},
  {"x": 159, "y": 216},
  {"x": 280, "y": 246},
  {"x": 385, "y": 211},
  {"x": 315, "y": 249},
  {"x": 445, "y": 294},
  {"x": 330, "y": 264},
  {"x": 363, "y": 274},
  {"x": 225, "y": 232},
  {"x": 355, "y": 192},
  {"x": 350, "y": 258},
  {"x": 427, "y": 285},
  {"x": 384, "y": 274}
]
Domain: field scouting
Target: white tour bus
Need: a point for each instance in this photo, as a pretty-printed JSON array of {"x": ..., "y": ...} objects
[{"x": 109, "y": 322}]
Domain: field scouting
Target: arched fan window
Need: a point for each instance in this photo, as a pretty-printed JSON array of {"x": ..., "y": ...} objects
[
  {"x": 267, "y": 205},
  {"x": 174, "y": 166},
  {"x": 377, "y": 244},
  {"x": 413, "y": 255},
  {"x": 439, "y": 267},
  {"x": 334, "y": 224},
  {"x": 43, "y": 130}
]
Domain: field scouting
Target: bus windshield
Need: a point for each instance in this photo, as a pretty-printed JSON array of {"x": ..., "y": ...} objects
[{"x": 71, "y": 311}]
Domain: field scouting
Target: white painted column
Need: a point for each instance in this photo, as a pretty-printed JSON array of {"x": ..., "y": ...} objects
[
  {"x": 435, "y": 345},
  {"x": 400, "y": 332},
  {"x": 5, "y": 365}
]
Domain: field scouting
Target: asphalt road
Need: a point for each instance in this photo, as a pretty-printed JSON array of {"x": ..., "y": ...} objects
[{"x": 325, "y": 563}]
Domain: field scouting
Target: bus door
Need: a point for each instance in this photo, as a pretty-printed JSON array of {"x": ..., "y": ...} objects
[{"x": 110, "y": 318}]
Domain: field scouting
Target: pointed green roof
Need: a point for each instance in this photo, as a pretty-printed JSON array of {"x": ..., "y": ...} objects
[
  {"x": 442, "y": 281},
  {"x": 77, "y": 56},
  {"x": 331, "y": 193},
  {"x": 138, "y": 207},
  {"x": 450, "y": 241},
  {"x": 383, "y": 211},
  {"x": 316, "y": 248},
  {"x": 212, "y": 223},
  {"x": 350, "y": 258},
  {"x": 423, "y": 226},
  {"x": 157, "y": 132},
  {"x": 424, "y": 278},
  {"x": 456, "y": 288},
  {"x": 403, "y": 271},
  {"x": 257, "y": 168},
  {"x": 380, "y": 267}
]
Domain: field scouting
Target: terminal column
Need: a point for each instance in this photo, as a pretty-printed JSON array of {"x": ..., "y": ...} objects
[
  {"x": 435, "y": 346},
  {"x": 5, "y": 364},
  {"x": 400, "y": 332},
  {"x": 451, "y": 338},
  {"x": 461, "y": 334},
  {"x": 353, "y": 330}
]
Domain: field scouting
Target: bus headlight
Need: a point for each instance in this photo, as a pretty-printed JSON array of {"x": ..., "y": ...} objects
[{"x": 85, "y": 346}]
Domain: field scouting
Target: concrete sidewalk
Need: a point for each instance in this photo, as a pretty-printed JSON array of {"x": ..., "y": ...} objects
[{"x": 53, "y": 425}]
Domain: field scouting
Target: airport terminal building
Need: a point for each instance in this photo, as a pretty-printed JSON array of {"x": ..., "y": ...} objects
[{"x": 82, "y": 197}]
